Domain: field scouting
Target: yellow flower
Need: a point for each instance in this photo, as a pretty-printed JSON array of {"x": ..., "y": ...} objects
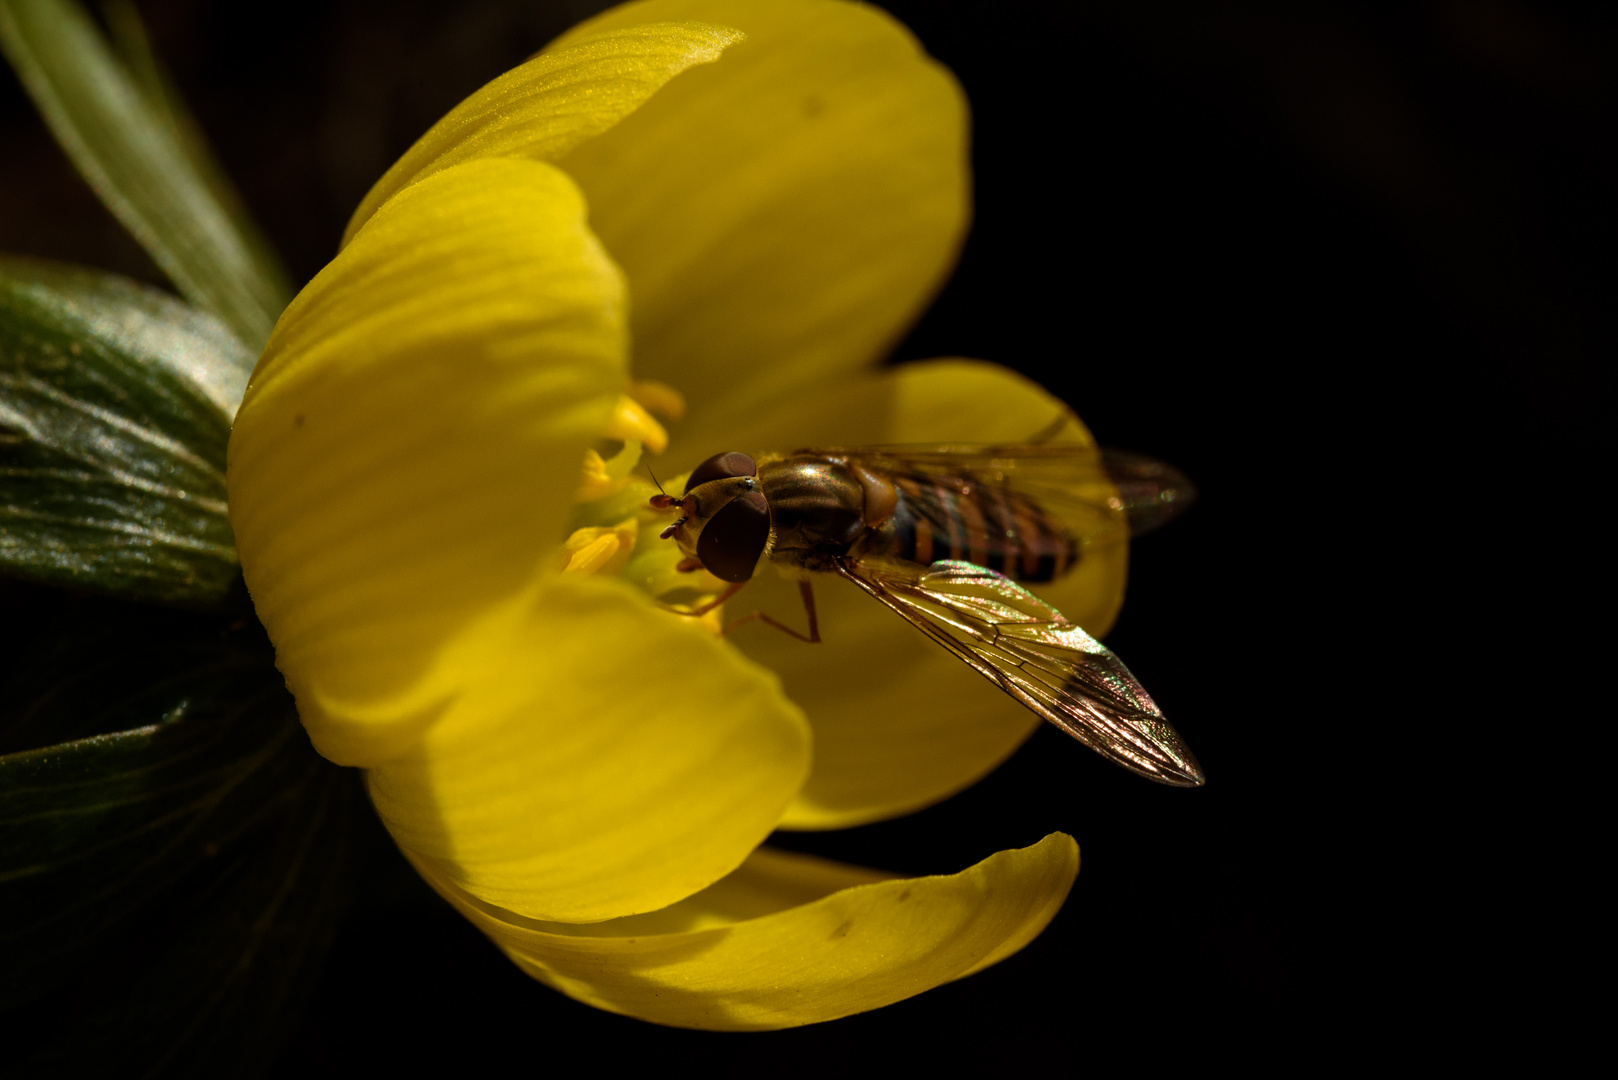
[{"x": 760, "y": 196}]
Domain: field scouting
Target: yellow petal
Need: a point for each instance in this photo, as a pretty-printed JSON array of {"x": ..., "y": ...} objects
[
  {"x": 900, "y": 723},
  {"x": 789, "y": 940},
  {"x": 406, "y": 454},
  {"x": 951, "y": 400},
  {"x": 784, "y": 213},
  {"x": 552, "y": 103},
  {"x": 603, "y": 758}
]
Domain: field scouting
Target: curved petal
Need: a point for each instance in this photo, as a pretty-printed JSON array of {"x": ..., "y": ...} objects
[
  {"x": 782, "y": 214},
  {"x": 903, "y": 731},
  {"x": 603, "y": 758},
  {"x": 789, "y": 940},
  {"x": 899, "y": 723},
  {"x": 947, "y": 400},
  {"x": 382, "y": 469},
  {"x": 555, "y": 101}
]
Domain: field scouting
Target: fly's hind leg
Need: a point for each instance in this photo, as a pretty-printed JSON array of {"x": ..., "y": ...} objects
[{"x": 807, "y": 591}]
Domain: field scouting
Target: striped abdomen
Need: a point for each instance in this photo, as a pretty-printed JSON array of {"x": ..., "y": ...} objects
[{"x": 945, "y": 518}]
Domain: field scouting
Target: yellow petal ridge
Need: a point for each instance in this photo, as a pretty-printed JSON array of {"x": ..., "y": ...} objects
[
  {"x": 560, "y": 98},
  {"x": 601, "y": 758},
  {"x": 393, "y": 471},
  {"x": 789, "y": 940}
]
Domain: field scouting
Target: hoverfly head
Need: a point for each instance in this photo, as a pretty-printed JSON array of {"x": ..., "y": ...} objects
[{"x": 725, "y": 522}]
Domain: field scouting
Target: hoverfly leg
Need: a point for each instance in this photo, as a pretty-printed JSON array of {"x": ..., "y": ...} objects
[
  {"x": 698, "y": 612},
  {"x": 1050, "y": 431},
  {"x": 806, "y": 590}
]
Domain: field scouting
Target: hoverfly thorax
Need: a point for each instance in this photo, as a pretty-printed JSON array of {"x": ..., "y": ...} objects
[{"x": 821, "y": 505}]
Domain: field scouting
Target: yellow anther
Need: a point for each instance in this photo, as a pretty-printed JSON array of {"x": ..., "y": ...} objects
[
  {"x": 595, "y": 483},
  {"x": 607, "y": 476},
  {"x": 594, "y": 555},
  {"x": 599, "y": 551},
  {"x": 631, "y": 423},
  {"x": 660, "y": 398}
]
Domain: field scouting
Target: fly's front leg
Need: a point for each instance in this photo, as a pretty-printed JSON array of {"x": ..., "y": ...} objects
[
  {"x": 807, "y": 591},
  {"x": 1050, "y": 431},
  {"x": 699, "y": 612}
]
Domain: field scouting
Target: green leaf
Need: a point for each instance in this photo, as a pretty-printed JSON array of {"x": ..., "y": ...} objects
[
  {"x": 115, "y": 410},
  {"x": 157, "y": 86},
  {"x": 169, "y": 888},
  {"x": 135, "y": 147}
]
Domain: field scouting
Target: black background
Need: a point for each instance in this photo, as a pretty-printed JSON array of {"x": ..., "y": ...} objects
[{"x": 1346, "y": 266}]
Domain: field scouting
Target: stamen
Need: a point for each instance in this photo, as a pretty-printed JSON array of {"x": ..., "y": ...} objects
[
  {"x": 660, "y": 398},
  {"x": 596, "y": 483},
  {"x": 632, "y": 423},
  {"x": 598, "y": 550},
  {"x": 594, "y": 555},
  {"x": 607, "y": 477}
]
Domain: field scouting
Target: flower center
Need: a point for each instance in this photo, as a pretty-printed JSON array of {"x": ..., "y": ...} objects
[{"x": 612, "y": 508}]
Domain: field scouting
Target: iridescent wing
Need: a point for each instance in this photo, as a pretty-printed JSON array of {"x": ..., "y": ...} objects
[
  {"x": 1101, "y": 494},
  {"x": 1025, "y": 646}
]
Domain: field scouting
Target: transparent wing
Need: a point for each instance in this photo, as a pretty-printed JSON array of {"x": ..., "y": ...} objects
[
  {"x": 1100, "y": 493},
  {"x": 1025, "y": 646}
]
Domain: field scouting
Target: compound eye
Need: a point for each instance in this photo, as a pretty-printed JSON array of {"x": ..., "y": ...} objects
[
  {"x": 721, "y": 467},
  {"x": 734, "y": 538}
]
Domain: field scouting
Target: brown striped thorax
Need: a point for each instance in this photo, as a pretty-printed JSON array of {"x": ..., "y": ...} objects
[
  {"x": 804, "y": 510},
  {"x": 946, "y": 537}
]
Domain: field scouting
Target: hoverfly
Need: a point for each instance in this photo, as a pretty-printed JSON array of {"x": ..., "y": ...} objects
[{"x": 942, "y": 536}]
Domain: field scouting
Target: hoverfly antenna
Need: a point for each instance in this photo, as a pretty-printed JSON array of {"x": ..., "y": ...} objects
[{"x": 662, "y": 500}]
